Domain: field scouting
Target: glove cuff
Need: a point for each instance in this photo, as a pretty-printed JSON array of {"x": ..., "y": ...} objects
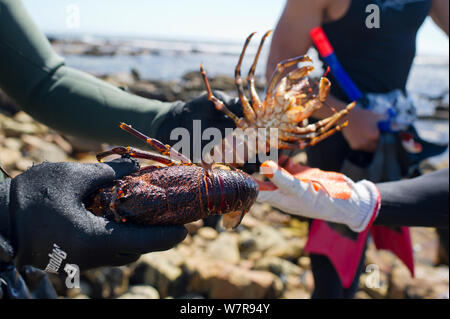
[
  {"x": 369, "y": 205},
  {"x": 173, "y": 119},
  {"x": 5, "y": 225}
]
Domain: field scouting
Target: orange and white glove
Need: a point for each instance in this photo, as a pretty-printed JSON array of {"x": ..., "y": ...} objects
[{"x": 310, "y": 192}]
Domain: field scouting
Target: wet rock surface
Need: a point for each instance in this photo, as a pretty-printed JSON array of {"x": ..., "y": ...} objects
[{"x": 263, "y": 258}]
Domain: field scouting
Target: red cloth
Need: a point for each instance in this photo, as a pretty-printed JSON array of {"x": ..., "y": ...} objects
[{"x": 344, "y": 247}]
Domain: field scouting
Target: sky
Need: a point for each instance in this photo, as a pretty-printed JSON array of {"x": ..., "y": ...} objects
[{"x": 230, "y": 20}]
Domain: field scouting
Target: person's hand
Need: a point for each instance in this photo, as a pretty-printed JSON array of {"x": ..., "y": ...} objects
[
  {"x": 362, "y": 132},
  {"x": 183, "y": 115},
  {"x": 312, "y": 193},
  {"x": 50, "y": 227}
]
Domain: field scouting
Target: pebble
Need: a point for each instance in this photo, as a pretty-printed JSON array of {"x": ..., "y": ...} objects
[{"x": 208, "y": 233}]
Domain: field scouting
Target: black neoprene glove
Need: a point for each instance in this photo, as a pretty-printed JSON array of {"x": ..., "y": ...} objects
[
  {"x": 45, "y": 214},
  {"x": 183, "y": 115}
]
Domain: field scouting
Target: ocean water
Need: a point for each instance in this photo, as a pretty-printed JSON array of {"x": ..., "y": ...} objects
[
  {"x": 167, "y": 60},
  {"x": 170, "y": 60}
]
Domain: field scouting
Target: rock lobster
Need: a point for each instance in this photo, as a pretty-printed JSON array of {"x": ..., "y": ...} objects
[{"x": 181, "y": 192}]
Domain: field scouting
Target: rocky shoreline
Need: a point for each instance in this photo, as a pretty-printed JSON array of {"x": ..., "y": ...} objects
[{"x": 263, "y": 258}]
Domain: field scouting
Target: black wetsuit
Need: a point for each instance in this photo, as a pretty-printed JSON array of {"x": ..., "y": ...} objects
[
  {"x": 378, "y": 61},
  {"x": 421, "y": 201}
]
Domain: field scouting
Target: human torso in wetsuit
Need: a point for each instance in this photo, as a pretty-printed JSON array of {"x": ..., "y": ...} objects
[
  {"x": 377, "y": 60},
  {"x": 421, "y": 201}
]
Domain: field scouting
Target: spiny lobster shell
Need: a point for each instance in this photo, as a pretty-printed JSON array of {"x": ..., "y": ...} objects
[{"x": 174, "y": 195}]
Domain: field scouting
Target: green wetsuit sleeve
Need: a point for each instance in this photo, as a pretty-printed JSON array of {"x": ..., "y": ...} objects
[{"x": 68, "y": 100}]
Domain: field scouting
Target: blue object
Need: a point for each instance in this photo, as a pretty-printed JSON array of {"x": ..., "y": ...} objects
[
  {"x": 347, "y": 85},
  {"x": 350, "y": 89},
  {"x": 385, "y": 125}
]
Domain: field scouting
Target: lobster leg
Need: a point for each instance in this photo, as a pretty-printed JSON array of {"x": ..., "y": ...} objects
[
  {"x": 305, "y": 132},
  {"x": 218, "y": 103},
  {"x": 326, "y": 130},
  {"x": 324, "y": 89},
  {"x": 256, "y": 102},
  {"x": 323, "y": 136},
  {"x": 318, "y": 131},
  {"x": 135, "y": 153},
  {"x": 281, "y": 67},
  {"x": 287, "y": 146},
  {"x": 157, "y": 145},
  {"x": 246, "y": 108},
  {"x": 312, "y": 128},
  {"x": 297, "y": 74},
  {"x": 233, "y": 219},
  {"x": 336, "y": 117}
]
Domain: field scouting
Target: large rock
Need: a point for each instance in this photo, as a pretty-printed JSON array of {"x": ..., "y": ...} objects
[
  {"x": 297, "y": 294},
  {"x": 9, "y": 157},
  {"x": 361, "y": 294},
  {"x": 159, "y": 90},
  {"x": 426, "y": 245},
  {"x": 208, "y": 233},
  {"x": 14, "y": 128},
  {"x": 40, "y": 150},
  {"x": 107, "y": 282},
  {"x": 270, "y": 242},
  {"x": 375, "y": 283},
  {"x": 260, "y": 238},
  {"x": 161, "y": 270},
  {"x": 429, "y": 283},
  {"x": 225, "y": 247},
  {"x": 194, "y": 227},
  {"x": 141, "y": 292},
  {"x": 384, "y": 259},
  {"x": 290, "y": 249},
  {"x": 304, "y": 262},
  {"x": 12, "y": 143},
  {"x": 399, "y": 279},
  {"x": 217, "y": 279},
  {"x": 222, "y": 83},
  {"x": 278, "y": 266},
  {"x": 307, "y": 280}
]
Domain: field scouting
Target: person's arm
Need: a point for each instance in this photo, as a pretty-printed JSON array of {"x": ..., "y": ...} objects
[
  {"x": 44, "y": 222},
  {"x": 73, "y": 102},
  {"x": 76, "y": 103},
  {"x": 421, "y": 201},
  {"x": 291, "y": 35},
  {"x": 440, "y": 14},
  {"x": 291, "y": 38},
  {"x": 308, "y": 192}
]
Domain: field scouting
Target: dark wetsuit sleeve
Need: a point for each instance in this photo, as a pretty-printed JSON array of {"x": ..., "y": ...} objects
[
  {"x": 421, "y": 201},
  {"x": 70, "y": 101}
]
